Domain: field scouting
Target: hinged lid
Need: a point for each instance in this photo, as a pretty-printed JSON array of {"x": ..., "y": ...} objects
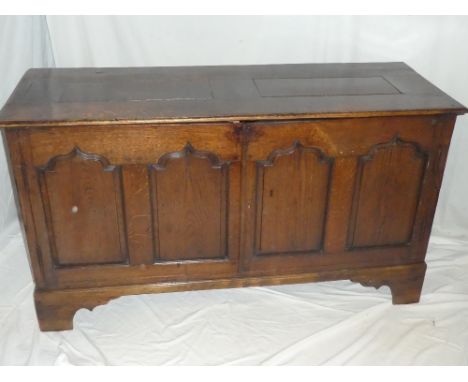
[{"x": 221, "y": 93}]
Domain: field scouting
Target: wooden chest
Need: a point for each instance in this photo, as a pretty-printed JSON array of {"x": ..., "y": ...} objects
[{"x": 146, "y": 180}]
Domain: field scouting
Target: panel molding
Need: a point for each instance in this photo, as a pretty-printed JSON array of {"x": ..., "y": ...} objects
[
  {"x": 189, "y": 150},
  {"x": 106, "y": 166},
  {"x": 418, "y": 154},
  {"x": 77, "y": 152},
  {"x": 216, "y": 163},
  {"x": 296, "y": 146},
  {"x": 395, "y": 141},
  {"x": 269, "y": 162}
]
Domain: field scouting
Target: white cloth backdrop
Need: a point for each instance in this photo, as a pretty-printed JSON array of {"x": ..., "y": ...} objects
[
  {"x": 329, "y": 323},
  {"x": 24, "y": 43}
]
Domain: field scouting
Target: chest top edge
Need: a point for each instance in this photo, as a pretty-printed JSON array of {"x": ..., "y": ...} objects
[
  {"x": 7, "y": 125},
  {"x": 72, "y": 96}
]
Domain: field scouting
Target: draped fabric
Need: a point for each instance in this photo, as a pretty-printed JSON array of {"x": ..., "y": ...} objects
[
  {"x": 24, "y": 43},
  {"x": 327, "y": 323}
]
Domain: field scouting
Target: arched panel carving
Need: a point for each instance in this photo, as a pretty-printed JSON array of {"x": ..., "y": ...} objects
[
  {"x": 386, "y": 195},
  {"x": 189, "y": 198},
  {"x": 83, "y": 205},
  {"x": 292, "y": 194}
]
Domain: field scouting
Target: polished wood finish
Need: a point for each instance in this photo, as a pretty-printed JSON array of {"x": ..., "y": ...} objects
[
  {"x": 56, "y": 308},
  {"x": 150, "y": 180},
  {"x": 82, "y": 195},
  {"x": 220, "y": 93},
  {"x": 292, "y": 187},
  {"x": 189, "y": 195},
  {"x": 387, "y": 191}
]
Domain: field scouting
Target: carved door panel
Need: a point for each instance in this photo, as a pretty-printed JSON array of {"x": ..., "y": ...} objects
[
  {"x": 386, "y": 195},
  {"x": 83, "y": 207},
  {"x": 291, "y": 199},
  {"x": 189, "y": 200}
]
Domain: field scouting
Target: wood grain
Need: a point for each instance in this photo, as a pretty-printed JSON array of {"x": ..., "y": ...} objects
[
  {"x": 292, "y": 197},
  {"x": 82, "y": 195},
  {"x": 69, "y": 97},
  {"x": 148, "y": 180},
  {"x": 387, "y": 191},
  {"x": 55, "y": 309},
  {"x": 138, "y": 216},
  {"x": 189, "y": 194}
]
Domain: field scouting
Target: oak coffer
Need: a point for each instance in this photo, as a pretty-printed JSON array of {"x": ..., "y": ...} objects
[{"x": 147, "y": 180}]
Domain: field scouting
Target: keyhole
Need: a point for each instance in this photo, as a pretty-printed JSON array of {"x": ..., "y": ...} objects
[{"x": 74, "y": 209}]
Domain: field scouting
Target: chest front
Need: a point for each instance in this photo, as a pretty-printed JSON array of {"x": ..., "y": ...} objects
[{"x": 153, "y": 205}]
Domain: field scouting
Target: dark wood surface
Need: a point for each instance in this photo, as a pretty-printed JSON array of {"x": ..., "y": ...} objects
[
  {"x": 217, "y": 93},
  {"x": 111, "y": 208},
  {"x": 82, "y": 195},
  {"x": 56, "y": 308}
]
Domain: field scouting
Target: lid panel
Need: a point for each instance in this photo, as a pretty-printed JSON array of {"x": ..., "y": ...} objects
[{"x": 221, "y": 93}]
